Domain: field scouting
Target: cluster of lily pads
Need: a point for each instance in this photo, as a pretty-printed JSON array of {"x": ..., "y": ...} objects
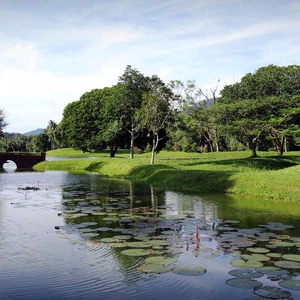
[{"x": 159, "y": 239}]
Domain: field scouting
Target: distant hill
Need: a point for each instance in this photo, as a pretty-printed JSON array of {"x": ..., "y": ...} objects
[{"x": 34, "y": 132}]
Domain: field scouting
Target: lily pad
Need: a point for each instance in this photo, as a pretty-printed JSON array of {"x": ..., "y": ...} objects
[
  {"x": 287, "y": 264},
  {"x": 108, "y": 240},
  {"x": 246, "y": 264},
  {"x": 283, "y": 244},
  {"x": 272, "y": 271},
  {"x": 122, "y": 237},
  {"x": 255, "y": 256},
  {"x": 158, "y": 242},
  {"x": 245, "y": 273},
  {"x": 274, "y": 255},
  {"x": 243, "y": 283},
  {"x": 160, "y": 260},
  {"x": 293, "y": 257},
  {"x": 118, "y": 245},
  {"x": 290, "y": 284},
  {"x": 153, "y": 268},
  {"x": 135, "y": 252},
  {"x": 189, "y": 271},
  {"x": 139, "y": 245},
  {"x": 258, "y": 250},
  {"x": 271, "y": 292}
]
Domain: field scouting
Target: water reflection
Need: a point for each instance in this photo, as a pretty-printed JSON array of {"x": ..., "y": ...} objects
[{"x": 67, "y": 239}]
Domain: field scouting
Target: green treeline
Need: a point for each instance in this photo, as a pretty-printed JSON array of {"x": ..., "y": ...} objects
[{"x": 261, "y": 112}]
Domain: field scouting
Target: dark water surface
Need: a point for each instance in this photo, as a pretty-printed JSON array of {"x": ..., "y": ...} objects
[{"x": 53, "y": 239}]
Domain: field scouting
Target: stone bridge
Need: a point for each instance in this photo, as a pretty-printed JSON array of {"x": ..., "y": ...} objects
[{"x": 22, "y": 160}]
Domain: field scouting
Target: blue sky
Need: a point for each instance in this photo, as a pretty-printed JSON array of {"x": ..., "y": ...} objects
[{"x": 51, "y": 52}]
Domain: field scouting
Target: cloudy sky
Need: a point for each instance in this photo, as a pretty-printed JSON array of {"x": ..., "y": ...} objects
[{"x": 51, "y": 52}]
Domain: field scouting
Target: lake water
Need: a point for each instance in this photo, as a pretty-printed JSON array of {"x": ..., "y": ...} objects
[{"x": 72, "y": 236}]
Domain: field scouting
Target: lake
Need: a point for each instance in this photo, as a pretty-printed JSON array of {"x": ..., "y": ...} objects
[{"x": 84, "y": 236}]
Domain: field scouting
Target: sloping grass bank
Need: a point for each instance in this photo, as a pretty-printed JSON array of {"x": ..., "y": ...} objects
[{"x": 268, "y": 176}]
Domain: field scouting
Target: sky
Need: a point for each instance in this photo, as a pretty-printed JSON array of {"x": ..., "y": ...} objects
[{"x": 52, "y": 52}]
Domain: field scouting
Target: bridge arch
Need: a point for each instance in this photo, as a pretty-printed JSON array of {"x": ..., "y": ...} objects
[{"x": 22, "y": 160}]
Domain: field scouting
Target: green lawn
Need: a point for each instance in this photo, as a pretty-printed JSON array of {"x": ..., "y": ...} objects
[{"x": 267, "y": 176}]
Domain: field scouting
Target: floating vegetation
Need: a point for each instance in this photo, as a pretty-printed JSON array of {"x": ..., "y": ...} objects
[
  {"x": 135, "y": 252},
  {"x": 258, "y": 250},
  {"x": 243, "y": 283},
  {"x": 160, "y": 260},
  {"x": 272, "y": 271},
  {"x": 246, "y": 264},
  {"x": 118, "y": 245},
  {"x": 255, "y": 256},
  {"x": 160, "y": 238},
  {"x": 293, "y": 257},
  {"x": 189, "y": 271},
  {"x": 274, "y": 255},
  {"x": 153, "y": 268},
  {"x": 283, "y": 244},
  {"x": 122, "y": 237},
  {"x": 287, "y": 264},
  {"x": 245, "y": 273},
  {"x": 139, "y": 245},
  {"x": 290, "y": 284},
  {"x": 277, "y": 226},
  {"x": 271, "y": 292}
]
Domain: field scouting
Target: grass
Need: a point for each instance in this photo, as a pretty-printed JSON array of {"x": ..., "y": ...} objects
[{"x": 267, "y": 176}]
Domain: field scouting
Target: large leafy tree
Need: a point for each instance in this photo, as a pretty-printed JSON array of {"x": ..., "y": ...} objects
[
  {"x": 266, "y": 81},
  {"x": 134, "y": 85},
  {"x": 250, "y": 120},
  {"x": 262, "y": 104},
  {"x": 155, "y": 112},
  {"x": 93, "y": 122}
]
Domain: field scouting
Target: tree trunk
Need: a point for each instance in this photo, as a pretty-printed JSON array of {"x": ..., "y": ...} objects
[
  {"x": 131, "y": 155},
  {"x": 253, "y": 146},
  {"x": 153, "y": 150},
  {"x": 217, "y": 141},
  {"x": 113, "y": 150},
  {"x": 279, "y": 145}
]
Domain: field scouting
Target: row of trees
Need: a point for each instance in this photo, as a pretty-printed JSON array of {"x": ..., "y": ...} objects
[
  {"x": 16, "y": 142},
  {"x": 262, "y": 111}
]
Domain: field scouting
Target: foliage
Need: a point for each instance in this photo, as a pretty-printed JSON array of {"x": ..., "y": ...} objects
[
  {"x": 40, "y": 143},
  {"x": 2, "y": 122},
  {"x": 155, "y": 111},
  {"x": 266, "y": 81},
  {"x": 134, "y": 85}
]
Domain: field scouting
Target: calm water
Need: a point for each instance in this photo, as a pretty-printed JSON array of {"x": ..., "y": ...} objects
[{"x": 54, "y": 239}]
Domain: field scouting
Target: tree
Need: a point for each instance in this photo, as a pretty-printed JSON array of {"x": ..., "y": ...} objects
[
  {"x": 266, "y": 81},
  {"x": 194, "y": 105},
  {"x": 156, "y": 111},
  {"x": 50, "y": 130},
  {"x": 40, "y": 143},
  {"x": 261, "y": 105},
  {"x": 135, "y": 85},
  {"x": 3, "y": 124},
  {"x": 93, "y": 122},
  {"x": 272, "y": 117}
]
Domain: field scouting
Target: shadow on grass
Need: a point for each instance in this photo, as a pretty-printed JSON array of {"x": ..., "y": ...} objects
[
  {"x": 167, "y": 177},
  {"x": 266, "y": 163},
  {"x": 94, "y": 166}
]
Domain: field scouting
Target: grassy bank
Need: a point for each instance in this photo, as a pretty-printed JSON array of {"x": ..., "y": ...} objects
[{"x": 267, "y": 176}]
